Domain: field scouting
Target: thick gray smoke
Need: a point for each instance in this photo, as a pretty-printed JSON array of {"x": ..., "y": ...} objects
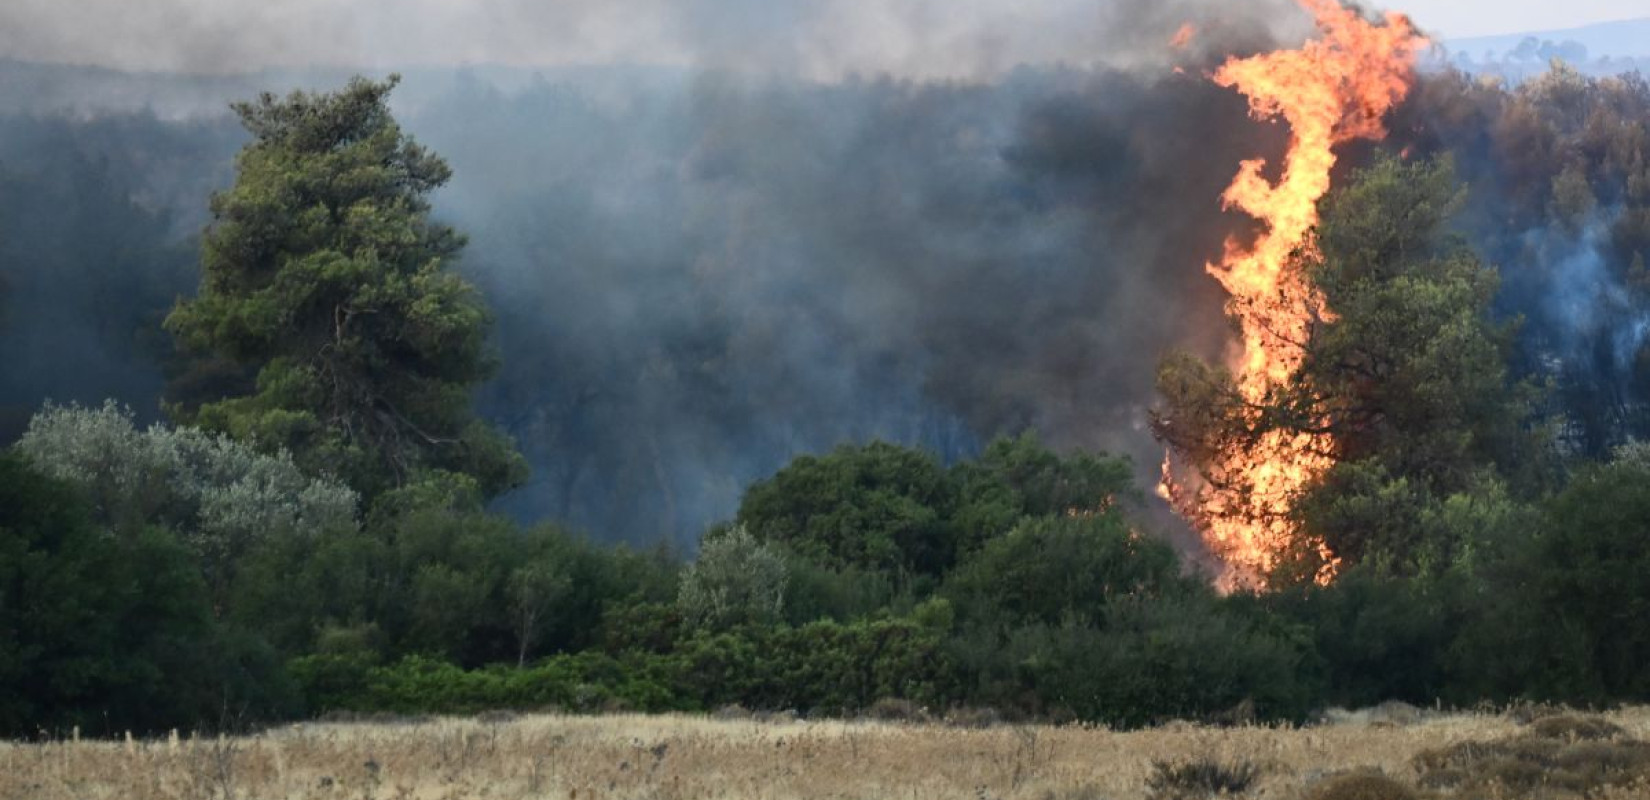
[
  {"x": 700, "y": 272},
  {"x": 816, "y": 39},
  {"x": 696, "y": 285}
]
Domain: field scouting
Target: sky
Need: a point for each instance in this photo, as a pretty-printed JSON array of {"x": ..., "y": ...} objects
[
  {"x": 820, "y": 38},
  {"x": 1465, "y": 18}
]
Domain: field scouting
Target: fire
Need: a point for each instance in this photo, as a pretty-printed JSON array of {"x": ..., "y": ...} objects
[
  {"x": 1333, "y": 90},
  {"x": 1183, "y": 36}
]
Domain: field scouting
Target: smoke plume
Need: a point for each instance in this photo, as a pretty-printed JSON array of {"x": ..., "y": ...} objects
[{"x": 714, "y": 236}]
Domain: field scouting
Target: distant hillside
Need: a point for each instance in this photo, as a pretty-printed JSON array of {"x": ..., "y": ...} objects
[{"x": 1624, "y": 39}]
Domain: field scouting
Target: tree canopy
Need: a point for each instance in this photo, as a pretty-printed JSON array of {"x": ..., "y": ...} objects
[
  {"x": 1407, "y": 373},
  {"x": 328, "y": 287}
]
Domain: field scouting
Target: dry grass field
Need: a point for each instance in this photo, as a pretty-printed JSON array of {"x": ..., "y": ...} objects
[{"x": 688, "y": 758}]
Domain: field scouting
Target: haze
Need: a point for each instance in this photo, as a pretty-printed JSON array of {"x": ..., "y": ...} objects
[
  {"x": 1464, "y": 18},
  {"x": 818, "y": 38}
]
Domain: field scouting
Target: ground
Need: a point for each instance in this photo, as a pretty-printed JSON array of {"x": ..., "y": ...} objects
[{"x": 634, "y": 757}]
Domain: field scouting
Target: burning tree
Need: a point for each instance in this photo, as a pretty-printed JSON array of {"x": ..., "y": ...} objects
[
  {"x": 1247, "y": 466},
  {"x": 1403, "y": 394}
]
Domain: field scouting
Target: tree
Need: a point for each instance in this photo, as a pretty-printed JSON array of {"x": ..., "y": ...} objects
[
  {"x": 218, "y": 496},
  {"x": 736, "y": 580},
  {"x": 1413, "y": 368},
  {"x": 1585, "y": 581},
  {"x": 1057, "y": 568},
  {"x": 878, "y": 506},
  {"x": 1019, "y": 477},
  {"x": 325, "y": 279},
  {"x": 1406, "y": 374},
  {"x": 533, "y": 590},
  {"x": 108, "y": 633}
]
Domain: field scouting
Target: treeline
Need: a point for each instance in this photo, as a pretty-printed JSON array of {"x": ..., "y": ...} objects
[
  {"x": 1079, "y": 195},
  {"x": 170, "y": 578},
  {"x": 312, "y": 532}
]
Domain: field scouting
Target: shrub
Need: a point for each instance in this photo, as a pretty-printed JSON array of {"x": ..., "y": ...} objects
[
  {"x": 1050, "y": 569},
  {"x": 221, "y": 496},
  {"x": 1558, "y": 758},
  {"x": 736, "y": 580},
  {"x": 1149, "y": 661},
  {"x": 111, "y": 633},
  {"x": 1361, "y": 786},
  {"x": 1572, "y": 727},
  {"x": 896, "y": 709},
  {"x": 1194, "y": 780}
]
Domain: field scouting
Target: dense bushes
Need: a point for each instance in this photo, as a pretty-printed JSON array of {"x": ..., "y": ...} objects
[
  {"x": 111, "y": 631},
  {"x": 432, "y": 605},
  {"x": 821, "y": 667},
  {"x": 429, "y": 604},
  {"x": 174, "y": 577}
]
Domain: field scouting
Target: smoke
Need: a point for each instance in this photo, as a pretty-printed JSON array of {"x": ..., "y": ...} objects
[
  {"x": 1558, "y": 199},
  {"x": 1586, "y": 325},
  {"x": 762, "y": 229},
  {"x": 718, "y": 235},
  {"x": 817, "y": 39},
  {"x": 698, "y": 283}
]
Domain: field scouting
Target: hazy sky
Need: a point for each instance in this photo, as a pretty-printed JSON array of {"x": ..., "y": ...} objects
[
  {"x": 820, "y": 37},
  {"x": 1458, "y": 18}
]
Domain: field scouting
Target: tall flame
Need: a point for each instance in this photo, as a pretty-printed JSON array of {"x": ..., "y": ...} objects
[{"x": 1334, "y": 89}]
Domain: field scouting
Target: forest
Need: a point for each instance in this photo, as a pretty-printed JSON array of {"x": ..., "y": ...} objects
[{"x": 309, "y": 461}]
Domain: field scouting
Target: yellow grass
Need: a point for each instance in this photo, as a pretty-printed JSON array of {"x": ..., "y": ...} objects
[{"x": 681, "y": 757}]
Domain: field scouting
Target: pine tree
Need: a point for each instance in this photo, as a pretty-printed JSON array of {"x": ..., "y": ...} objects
[{"x": 326, "y": 283}]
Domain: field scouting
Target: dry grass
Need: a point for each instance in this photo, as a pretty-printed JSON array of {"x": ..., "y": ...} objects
[{"x": 677, "y": 757}]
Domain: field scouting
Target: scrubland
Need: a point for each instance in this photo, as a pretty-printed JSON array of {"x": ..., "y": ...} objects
[{"x": 1388, "y": 753}]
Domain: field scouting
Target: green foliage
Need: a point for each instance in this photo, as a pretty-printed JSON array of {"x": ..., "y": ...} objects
[
  {"x": 416, "y": 685},
  {"x": 1400, "y": 525},
  {"x": 1018, "y": 477},
  {"x": 1148, "y": 661},
  {"x": 1407, "y": 374},
  {"x": 109, "y": 633},
  {"x": 814, "y": 591},
  {"x": 433, "y": 574},
  {"x": 1412, "y": 370},
  {"x": 1050, "y": 569},
  {"x": 886, "y": 508},
  {"x": 878, "y": 506},
  {"x": 822, "y": 666},
  {"x": 219, "y": 496},
  {"x": 324, "y": 277},
  {"x": 1381, "y": 637},
  {"x": 1587, "y": 581},
  {"x": 735, "y": 581}
]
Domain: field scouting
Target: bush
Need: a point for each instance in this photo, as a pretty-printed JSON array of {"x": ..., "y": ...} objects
[
  {"x": 1195, "y": 780},
  {"x": 894, "y": 709},
  {"x": 1380, "y": 637},
  {"x": 112, "y": 633},
  {"x": 879, "y": 506},
  {"x": 1051, "y": 569},
  {"x": 1575, "y": 755},
  {"x": 417, "y": 685},
  {"x": 1361, "y": 786},
  {"x": 1148, "y": 661},
  {"x": 735, "y": 581},
  {"x": 1571, "y": 727}
]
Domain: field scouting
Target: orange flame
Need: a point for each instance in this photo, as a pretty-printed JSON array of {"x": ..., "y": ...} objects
[
  {"x": 1333, "y": 90},
  {"x": 1183, "y": 36}
]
